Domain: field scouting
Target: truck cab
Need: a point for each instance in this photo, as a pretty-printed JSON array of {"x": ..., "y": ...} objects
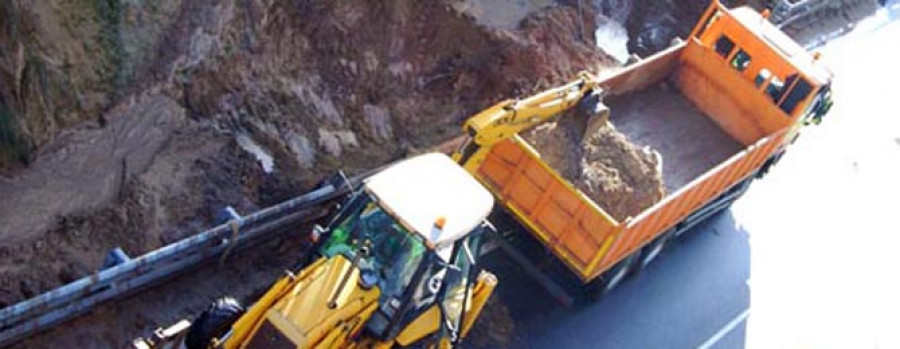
[
  {"x": 720, "y": 108},
  {"x": 783, "y": 83},
  {"x": 396, "y": 265}
]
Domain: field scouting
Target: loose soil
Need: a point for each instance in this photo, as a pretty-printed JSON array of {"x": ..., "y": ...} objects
[
  {"x": 656, "y": 143},
  {"x": 662, "y": 119},
  {"x": 621, "y": 177},
  {"x": 119, "y": 120},
  {"x": 126, "y": 123},
  {"x": 116, "y": 324}
]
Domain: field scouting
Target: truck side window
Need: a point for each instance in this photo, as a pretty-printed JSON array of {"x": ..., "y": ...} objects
[
  {"x": 775, "y": 88},
  {"x": 764, "y": 74},
  {"x": 741, "y": 61},
  {"x": 724, "y": 46},
  {"x": 797, "y": 94}
]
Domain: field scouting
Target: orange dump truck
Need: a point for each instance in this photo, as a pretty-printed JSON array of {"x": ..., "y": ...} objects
[{"x": 720, "y": 107}]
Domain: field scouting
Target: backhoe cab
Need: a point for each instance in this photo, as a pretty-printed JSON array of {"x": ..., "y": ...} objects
[{"x": 396, "y": 265}]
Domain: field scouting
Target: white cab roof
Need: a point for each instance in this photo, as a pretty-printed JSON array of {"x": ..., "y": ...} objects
[{"x": 422, "y": 189}]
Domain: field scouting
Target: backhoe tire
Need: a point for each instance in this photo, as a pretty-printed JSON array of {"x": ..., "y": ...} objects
[{"x": 214, "y": 322}]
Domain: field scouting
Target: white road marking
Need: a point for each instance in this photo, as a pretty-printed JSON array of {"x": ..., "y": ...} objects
[{"x": 725, "y": 330}]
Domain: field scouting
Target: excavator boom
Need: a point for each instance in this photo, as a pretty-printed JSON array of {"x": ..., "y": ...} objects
[{"x": 512, "y": 116}]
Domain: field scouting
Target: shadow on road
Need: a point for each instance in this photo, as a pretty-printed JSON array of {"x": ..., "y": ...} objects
[{"x": 697, "y": 286}]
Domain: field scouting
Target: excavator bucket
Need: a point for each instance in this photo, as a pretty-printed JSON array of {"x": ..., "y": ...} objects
[{"x": 591, "y": 114}]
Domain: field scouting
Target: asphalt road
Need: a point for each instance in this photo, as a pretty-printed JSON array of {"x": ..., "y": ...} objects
[
  {"x": 696, "y": 286},
  {"x": 811, "y": 246}
]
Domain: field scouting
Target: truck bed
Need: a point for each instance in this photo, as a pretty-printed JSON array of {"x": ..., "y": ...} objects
[
  {"x": 661, "y": 118},
  {"x": 708, "y": 140}
]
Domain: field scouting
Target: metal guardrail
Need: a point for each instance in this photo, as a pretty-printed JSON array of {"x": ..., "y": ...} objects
[{"x": 53, "y": 307}]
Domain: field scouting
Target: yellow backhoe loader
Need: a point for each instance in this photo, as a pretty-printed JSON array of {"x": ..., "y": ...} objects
[{"x": 397, "y": 265}]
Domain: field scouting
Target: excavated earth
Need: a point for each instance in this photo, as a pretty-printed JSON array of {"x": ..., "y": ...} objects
[
  {"x": 131, "y": 123},
  {"x": 621, "y": 177}
]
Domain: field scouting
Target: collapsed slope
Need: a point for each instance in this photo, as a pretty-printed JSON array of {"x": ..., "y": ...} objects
[{"x": 318, "y": 85}]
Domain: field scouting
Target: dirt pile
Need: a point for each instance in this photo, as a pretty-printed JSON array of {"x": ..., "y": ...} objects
[
  {"x": 618, "y": 175},
  {"x": 126, "y": 123},
  {"x": 319, "y": 85},
  {"x": 178, "y": 195},
  {"x": 369, "y": 82}
]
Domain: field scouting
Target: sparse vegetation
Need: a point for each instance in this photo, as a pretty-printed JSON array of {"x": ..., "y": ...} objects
[
  {"x": 109, "y": 14},
  {"x": 13, "y": 147},
  {"x": 190, "y": 75},
  {"x": 11, "y": 18}
]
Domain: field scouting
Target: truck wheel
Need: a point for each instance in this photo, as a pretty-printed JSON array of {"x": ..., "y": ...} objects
[
  {"x": 612, "y": 277},
  {"x": 214, "y": 322},
  {"x": 649, "y": 253},
  {"x": 764, "y": 169}
]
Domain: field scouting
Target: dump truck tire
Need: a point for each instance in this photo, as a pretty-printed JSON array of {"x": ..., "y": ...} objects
[
  {"x": 612, "y": 278},
  {"x": 771, "y": 161},
  {"x": 650, "y": 252},
  {"x": 213, "y": 322}
]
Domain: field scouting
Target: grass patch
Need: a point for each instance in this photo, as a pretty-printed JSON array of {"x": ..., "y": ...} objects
[
  {"x": 110, "y": 14},
  {"x": 11, "y": 17},
  {"x": 13, "y": 146}
]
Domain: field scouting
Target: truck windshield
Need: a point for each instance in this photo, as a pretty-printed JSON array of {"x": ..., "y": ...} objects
[{"x": 394, "y": 253}]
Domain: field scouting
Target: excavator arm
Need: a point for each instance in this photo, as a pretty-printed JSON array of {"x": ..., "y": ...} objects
[{"x": 512, "y": 116}]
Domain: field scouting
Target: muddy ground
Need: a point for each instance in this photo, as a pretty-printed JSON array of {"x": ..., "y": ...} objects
[{"x": 128, "y": 123}]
